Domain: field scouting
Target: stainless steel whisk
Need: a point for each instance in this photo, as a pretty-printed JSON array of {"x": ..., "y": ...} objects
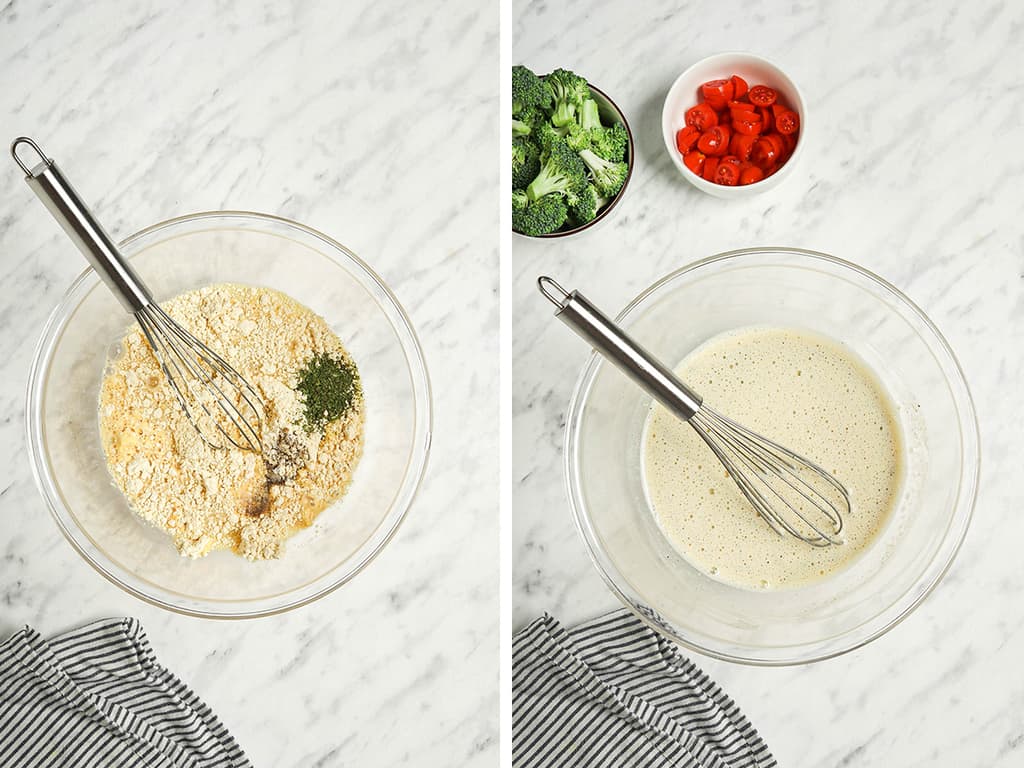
[
  {"x": 791, "y": 493},
  {"x": 219, "y": 403}
]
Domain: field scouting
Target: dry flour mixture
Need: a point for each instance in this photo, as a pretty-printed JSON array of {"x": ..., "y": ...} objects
[{"x": 208, "y": 498}]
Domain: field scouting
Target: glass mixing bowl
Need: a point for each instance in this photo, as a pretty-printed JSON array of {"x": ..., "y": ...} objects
[
  {"x": 63, "y": 424},
  {"x": 799, "y": 289}
]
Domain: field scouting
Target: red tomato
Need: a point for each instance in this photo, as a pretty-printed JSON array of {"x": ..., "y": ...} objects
[
  {"x": 789, "y": 139},
  {"x": 740, "y": 145},
  {"x": 788, "y": 122},
  {"x": 762, "y": 95},
  {"x": 714, "y": 141},
  {"x": 743, "y": 106},
  {"x": 739, "y": 87},
  {"x": 710, "y": 166},
  {"x": 736, "y": 113},
  {"x": 717, "y": 93},
  {"x": 701, "y": 117},
  {"x": 727, "y": 174},
  {"x": 767, "y": 122},
  {"x": 767, "y": 151},
  {"x": 694, "y": 160},
  {"x": 747, "y": 126},
  {"x": 686, "y": 138},
  {"x": 751, "y": 174}
]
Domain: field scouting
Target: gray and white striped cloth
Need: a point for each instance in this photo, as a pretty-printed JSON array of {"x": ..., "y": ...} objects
[
  {"x": 612, "y": 693},
  {"x": 96, "y": 696}
]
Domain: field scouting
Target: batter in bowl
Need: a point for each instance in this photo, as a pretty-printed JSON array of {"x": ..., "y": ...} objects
[{"x": 799, "y": 389}]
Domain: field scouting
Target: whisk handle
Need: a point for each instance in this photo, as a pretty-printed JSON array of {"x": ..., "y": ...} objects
[
  {"x": 64, "y": 204},
  {"x": 616, "y": 346}
]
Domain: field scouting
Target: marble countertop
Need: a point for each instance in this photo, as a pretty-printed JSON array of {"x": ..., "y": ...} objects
[
  {"x": 913, "y": 170},
  {"x": 329, "y": 115}
]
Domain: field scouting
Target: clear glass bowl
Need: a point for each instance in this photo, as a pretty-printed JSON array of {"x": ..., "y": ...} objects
[
  {"x": 63, "y": 429},
  {"x": 817, "y": 292}
]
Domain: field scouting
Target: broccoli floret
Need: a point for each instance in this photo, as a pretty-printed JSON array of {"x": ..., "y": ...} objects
[
  {"x": 610, "y": 143},
  {"x": 545, "y": 135},
  {"x": 540, "y": 217},
  {"x": 577, "y": 138},
  {"x": 561, "y": 172},
  {"x": 569, "y": 91},
  {"x": 528, "y": 91},
  {"x": 584, "y": 206},
  {"x": 527, "y": 122},
  {"x": 519, "y": 200},
  {"x": 525, "y": 162},
  {"x": 609, "y": 176},
  {"x": 588, "y": 117}
]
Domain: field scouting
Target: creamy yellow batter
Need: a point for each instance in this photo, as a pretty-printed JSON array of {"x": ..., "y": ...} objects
[{"x": 804, "y": 391}]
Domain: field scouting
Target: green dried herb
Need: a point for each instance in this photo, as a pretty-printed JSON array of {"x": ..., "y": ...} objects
[{"x": 329, "y": 386}]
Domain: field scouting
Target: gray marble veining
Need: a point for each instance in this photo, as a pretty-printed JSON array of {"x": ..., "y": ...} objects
[
  {"x": 912, "y": 170},
  {"x": 344, "y": 117}
]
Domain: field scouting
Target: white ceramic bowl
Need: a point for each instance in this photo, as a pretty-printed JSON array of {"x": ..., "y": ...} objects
[{"x": 684, "y": 94}]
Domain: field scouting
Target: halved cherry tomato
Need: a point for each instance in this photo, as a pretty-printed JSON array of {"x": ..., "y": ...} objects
[
  {"x": 762, "y": 95},
  {"x": 710, "y": 166},
  {"x": 747, "y": 126},
  {"x": 788, "y": 122},
  {"x": 694, "y": 160},
  {"x": 701, "y": 117},
  {"x": 737, "y": 113},
  {"x": 767, "y": 122},
  {"x": 727, "y": 174},
  {"x": 744, "y": 106},
  {"x": 717, "y": 93},
  {"x": 767, "y": 151},
  {"x": 789, "y": 140},
  {"x": 714, "y": 141},
  {"x": 751, "y": 174},
  {"x": 740, "y": 145},
  {"x": 686, "y": 138},
  {"x": 739, "y": 87}
]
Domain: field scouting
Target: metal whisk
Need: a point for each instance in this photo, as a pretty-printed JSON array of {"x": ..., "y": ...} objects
[
  {"x": 221, "y": 405},
  {"x": 792, "y": 494}
]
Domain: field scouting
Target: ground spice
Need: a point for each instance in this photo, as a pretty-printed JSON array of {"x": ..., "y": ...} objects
[{"x": 329, "y": 386}]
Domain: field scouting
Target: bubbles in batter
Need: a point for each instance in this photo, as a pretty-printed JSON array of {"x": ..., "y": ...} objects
[{"x": 804, "y": 391}]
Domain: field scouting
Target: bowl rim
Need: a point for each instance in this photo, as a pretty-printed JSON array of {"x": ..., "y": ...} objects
[
  {"x": 747, "y": 190},
  {"x": 621, "y": 193},
  {"x": 949, "y": 547},
  {"x": 412, "y": 482}
]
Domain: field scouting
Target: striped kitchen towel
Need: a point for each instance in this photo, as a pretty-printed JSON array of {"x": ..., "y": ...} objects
[
  {"x": 96, "y": 696},
  {"x": 612, "y": 693}
]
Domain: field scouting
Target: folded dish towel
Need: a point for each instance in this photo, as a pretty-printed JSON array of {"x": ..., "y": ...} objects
[
  {"x": 614, "y": 694},
  {"x": 96, "y": 696}
]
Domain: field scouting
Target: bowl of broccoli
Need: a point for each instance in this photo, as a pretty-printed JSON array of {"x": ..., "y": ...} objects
[{"x": 572, "y": 153}]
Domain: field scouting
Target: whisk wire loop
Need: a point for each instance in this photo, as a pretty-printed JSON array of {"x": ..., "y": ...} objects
[
  {"x": 188, "y": 363},
  {"x": 774, "y": 480}
]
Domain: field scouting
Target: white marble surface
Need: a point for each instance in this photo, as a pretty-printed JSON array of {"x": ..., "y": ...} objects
[
  {"x": 914, "y": 171},
  {"x": 344, "y": 116}
]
